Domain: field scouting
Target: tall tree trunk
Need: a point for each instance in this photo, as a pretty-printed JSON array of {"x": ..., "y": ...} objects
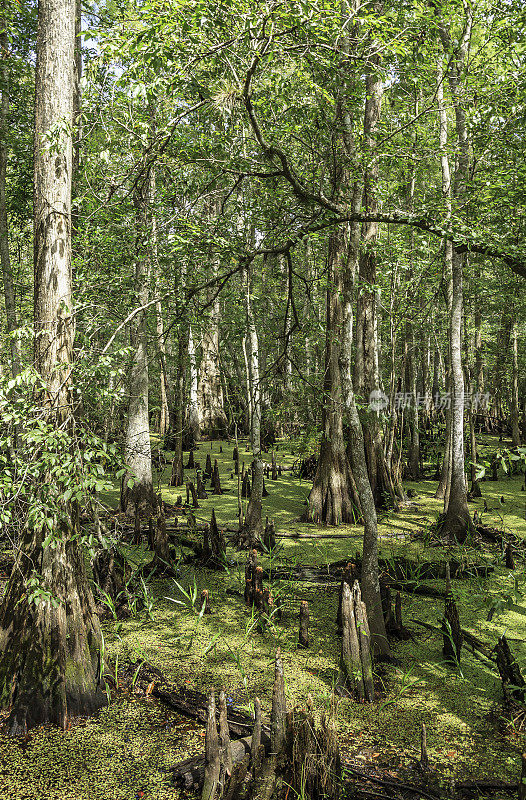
[
  {"x": 177, "y": 422},
  {"x": 50, "y": 649},
  {"x": 479, "y": 349},
  {"x": 515, "y": 430},
  {"x": 501, "y": 362},
  {"x": 193, "y": 409},
  {"x": 77, "y": 117},
  {"x": 393, "y": 415},
  {"x": 165, "y": 389},
  {"x": 332, "y": 499},
  {"x": 444, "y": 481},
  {"x": 384, "y": 489},
  {"x": 252, "y": 528},
  {"x": 437, "y": 374},
  {"x": 370, "y": 582},
  {"x": 470, "y": 365},
  {"x": 457, "y": 521},
  {"x": 7, "y": 275},
  {"x": 137, "y": 448},
  {"x": 247, "y": 381},
  {"x": 164, "y": 417},
  {"x": 413, "y": 455},
  {"x": 213, "y": 420}
]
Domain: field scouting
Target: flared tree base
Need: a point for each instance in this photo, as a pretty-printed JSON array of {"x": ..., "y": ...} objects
[
  {"x": 456, "y": 524},
  {"x": 139, "y": 498},
  {"x": 50, "y": 640},
  {"x": 333, "y": 499}
]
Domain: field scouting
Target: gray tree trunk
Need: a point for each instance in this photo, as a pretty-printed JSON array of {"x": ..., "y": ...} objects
[
  {"x": 7, "y": 275},
  {"x": 444, "y": 481},
  {"x": 193, "y": 404},
  {"x": 515, "y": 429},
  {"x": 212, "y": 417},
  {"x": 137, "y": 447},
  {"x": 385, "y": 490},
  {"x": 457, "y": 520},
  {"x": 253, "y": 528}
]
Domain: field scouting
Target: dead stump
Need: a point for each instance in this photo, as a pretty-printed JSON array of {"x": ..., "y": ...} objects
[{"x": 356, "y": 668}]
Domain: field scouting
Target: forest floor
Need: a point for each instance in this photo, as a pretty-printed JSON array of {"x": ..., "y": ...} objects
[{"x": 127, "y": 750}]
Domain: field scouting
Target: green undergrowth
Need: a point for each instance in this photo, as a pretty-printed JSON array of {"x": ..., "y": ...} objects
[{"x": 130, "y": 745}]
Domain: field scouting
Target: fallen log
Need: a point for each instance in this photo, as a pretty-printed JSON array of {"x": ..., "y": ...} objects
[
  {"x": 485, "y": 786},
  {"x": 190, "y": 702},
  {"x": 397, "y": 571},
  {"x": 469, "y": 638}
]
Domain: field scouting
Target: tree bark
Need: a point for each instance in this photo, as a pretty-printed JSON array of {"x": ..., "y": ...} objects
[
  {"x": 137, "y": 448},
  {"x": 164, "y": 381},
  {"x": 332, "y": 499},
  {"x": 515, "y": 430},
  {"x": 457, "y": 521},
  {"x": 385, "y": 490},
  {"x": 413, "y": 456},
  {"x": 213, "y": 420},
  {"x": 7, "y": 275},
  {"x": 50, "y": 648},
  {"x": 194, "y": 431},
  {"x": 253, "y": 525},
  {"x": 177, "y": 421}
]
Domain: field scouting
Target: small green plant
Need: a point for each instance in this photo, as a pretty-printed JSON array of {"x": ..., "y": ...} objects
[
  {"x": 506, "y": 600},
  {"x": 190, "y": 597},
  {"x": 446, "y": 629},
  {"x": 405, "y": 687},
  {"x": 107, "y": 600}
]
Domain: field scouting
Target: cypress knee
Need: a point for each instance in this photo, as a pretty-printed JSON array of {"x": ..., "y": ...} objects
[
  {"x": 348, "y": 577},
  {"x": 217, "y": 539},
  {"x": 245, "y": 486},
  {"x": 216, "y": 483},
  {"x": 303, "y": 639},
  {"x": 452, "y": 633},
  {"x": 364, "y": 636},
  {"x": 205, "y": 601},
  {"x": 513, "y": 684},
  {"x": 274, "y": 467},
  {"x": 212, "y": 754},
  {"x": 207, "y": 550},
  {"x": 224, "y": 736},
  {"x": 510, "y": 560},
  {"x": 256, "y": 733},
  {"x": 192, "y": 490},
  {"x": 424, "y": 760},
  {"x": 351, "y": 677},
  {"x": 269, "y": 535},
  {"x": 201, "y": 491}
]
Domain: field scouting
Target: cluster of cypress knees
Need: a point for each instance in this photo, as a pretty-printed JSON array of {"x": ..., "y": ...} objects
[
  {"x": 300, "y": 750},
  {"x": 196, "y": 490}
]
